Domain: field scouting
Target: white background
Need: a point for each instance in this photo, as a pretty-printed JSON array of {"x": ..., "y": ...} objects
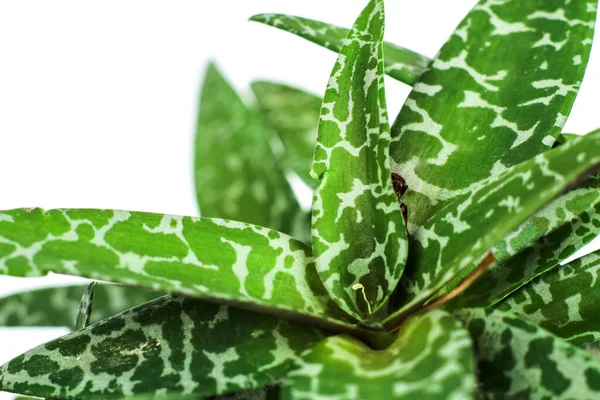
[{"x": 98, "y": 98}]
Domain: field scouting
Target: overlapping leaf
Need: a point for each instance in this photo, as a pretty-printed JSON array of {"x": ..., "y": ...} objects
[
  {"x": 57, "y": 306},
  {"x": 565, "y": 300},
  {"x": 497, "y": 94},
  {"x": 431, "y": 359},
  {"x": 466, "y": 230},
  {"x": 236, "y": 170},
  {"x": 400, "y": 63},
  {"x": 294, "y": 115},
  {"x": 516, "y": 359},
  {"x": 172, "y": 345},
  {"x": 358, "y": 233},
  {"x": 251, "y": 266},
  {"x": 539, "y": 244}
]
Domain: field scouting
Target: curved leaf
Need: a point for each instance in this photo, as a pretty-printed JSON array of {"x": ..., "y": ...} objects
[
  {"x": 84, "y": 313},
  {"x": 401, "y": 64},
  {"x": 294, "y": 115},
  {"x": 539, "y": 244},
  {"x": 497, "y": 94},
  {"x": 565, "y": 300},
  {"x": 466, "y": 230},
  {"x": 431, "y": 359},
  {"x": 237, "y": 175},
  {"x": 516, "y": 359},
  {"x": 225, "y": 261},
  {"x": 172, "y": 345},
  {"x": 355, "y": 192},
  {"x": 57, "y": 306}
]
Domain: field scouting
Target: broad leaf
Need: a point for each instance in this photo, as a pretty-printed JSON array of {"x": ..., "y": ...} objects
[
  {"x": 498, "y": 93},
  {"x": 400, "y": 63},
  {"x": 225, "y": 261},
  {"x": 516, "y": 359},
  {"x": 236, "y": 169},
  {"x": 565, "y": 300},
  {"x": 358, "y": 233},
  {"x": 84, "y": 313},
  {"x": 466, "y": 230},
  {"x": 57, "y": 306},
  {"x": 172, "y": 345},
  {"x": 553, "y": 234},
  {"x": 294, "y": 115},
  {"x": 430, "y": 359}
]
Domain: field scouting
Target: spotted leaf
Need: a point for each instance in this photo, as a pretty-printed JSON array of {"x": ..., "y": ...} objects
[
  {"x": 228, "y": 261},
  {"x": 430, "y": 359},
  {"x": 517, "y": 359},
  {"x": 84, "y": 313},
  {"x": 358, "y": 232},
  {"x": 401, "y": 64},
  {"x": 466, "y": 230},
  {"x": 565, "y": 300},
  {"x": 172, "y": 345},
  {"x": 294, "y": 115},
  {"x": 553, "y": 234},
  {"x": 236, "y": 168},
  {"x": 497, "y": 94},
  {"x": 57, "y": 306}
]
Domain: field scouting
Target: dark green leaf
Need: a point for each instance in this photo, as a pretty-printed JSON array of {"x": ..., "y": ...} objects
[
  {"x": 172, "y": 345},
  {"x": 516, "y": 359},
  {"x": 565, "y": 300}
]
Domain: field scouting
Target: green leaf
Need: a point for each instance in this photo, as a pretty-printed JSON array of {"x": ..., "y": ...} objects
[
  {"x": 172, "y": 345},
  {"x": 431, "y": 359},
  {"x": 84, "y": 313},
  {"x": 57, "y": 306},
  {"x": 236, "y": 169},
  {"x": 225, "y": 261},
  {"x": 516, "y": 359},
  {"x": 465, "y": 231},
  {"x": 498, "y": 93},
  {"x": 565, "y": 300},
  {"x": 401, "y": 64},
  {"x": 539, "y": 244},
  {"x": 352, "y": 163},
  {"x": 294, "y": 115}
]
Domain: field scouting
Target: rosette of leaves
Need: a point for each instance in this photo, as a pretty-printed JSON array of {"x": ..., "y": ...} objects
[{"x": 429, "y": 266}]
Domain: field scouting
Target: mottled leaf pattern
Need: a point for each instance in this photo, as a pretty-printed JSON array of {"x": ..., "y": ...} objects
[
  {"x": 430, "y": 359},
  {"x": 355, "y": 193},
  {"x": 84, "y": 313},
  {"x": 228, "y": 261},
  {"x": 236, "y": 169},
  {"x": 463, "y": 233},
  {"x": 294, "y": 115},
  {"x": 565, "y": 300},
  {"x": 401, "y": 64},
  {"x": 498, "y": 93},
  {"x": 516, "y": 359},
  {"x": 170, "y": 345},
  {"x": 539, "y": 244},
  {"x": 58, "y": 306}
]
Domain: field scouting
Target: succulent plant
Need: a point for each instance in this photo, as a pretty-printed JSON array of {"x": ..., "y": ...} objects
[{"x": 429, "y": 266}]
